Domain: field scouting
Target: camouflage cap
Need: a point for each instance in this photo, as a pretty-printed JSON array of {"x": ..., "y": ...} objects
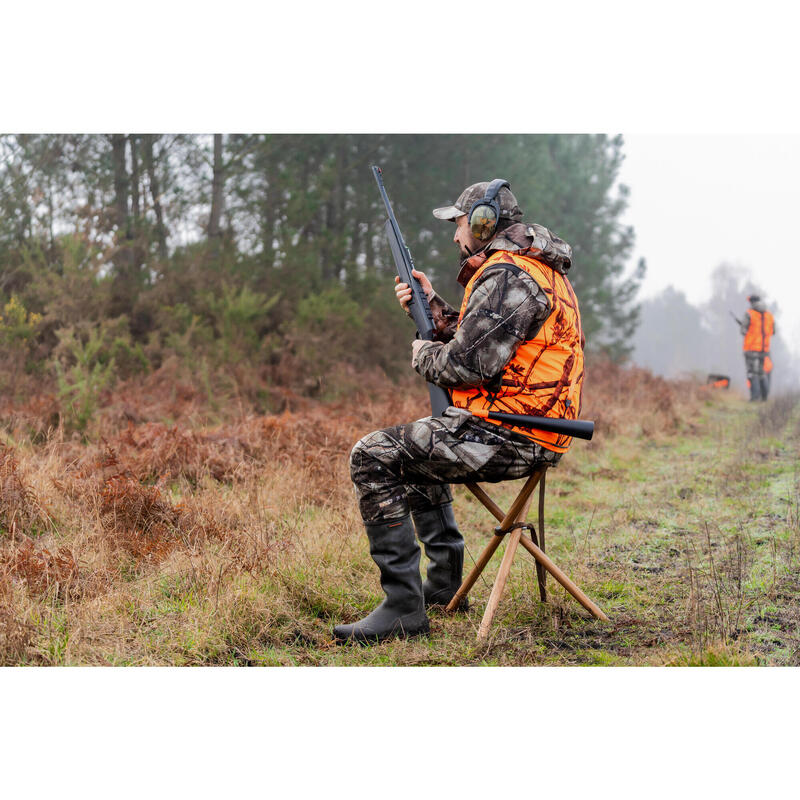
[{"x": 509, "y": 207}]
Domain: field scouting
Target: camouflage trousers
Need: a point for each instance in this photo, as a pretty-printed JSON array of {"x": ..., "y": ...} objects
[
  {"x": 408, "y": 467},
  {"x": 759, "y": 383}
]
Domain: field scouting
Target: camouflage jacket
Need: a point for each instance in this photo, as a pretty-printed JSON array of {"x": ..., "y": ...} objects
[{"x": 504, "y": 310}]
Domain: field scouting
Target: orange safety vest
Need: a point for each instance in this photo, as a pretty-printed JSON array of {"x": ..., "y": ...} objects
[
  {"x": 767, "y": 365},
  {"x": 758, "y": 334},
  {"x": 545, "y": 375}
]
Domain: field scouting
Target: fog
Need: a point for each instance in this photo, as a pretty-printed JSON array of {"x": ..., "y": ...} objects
[
  {"x": 715, "y": 218},
  {"x": 677, "y": 338}
]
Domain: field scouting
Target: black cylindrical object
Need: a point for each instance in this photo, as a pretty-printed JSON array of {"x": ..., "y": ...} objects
[{"x": 579, "y": 428}]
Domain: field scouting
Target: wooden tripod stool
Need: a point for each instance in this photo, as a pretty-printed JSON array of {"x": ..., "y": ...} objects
[{"x": 513, "y": 523}]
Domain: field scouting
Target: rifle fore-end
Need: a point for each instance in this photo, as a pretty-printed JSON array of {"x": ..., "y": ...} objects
[{"x": 418, "y": 307}]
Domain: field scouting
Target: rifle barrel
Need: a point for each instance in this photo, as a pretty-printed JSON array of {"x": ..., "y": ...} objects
[
  {"x": 418, "y": 307},
  {"x": 579, "y": 428}
]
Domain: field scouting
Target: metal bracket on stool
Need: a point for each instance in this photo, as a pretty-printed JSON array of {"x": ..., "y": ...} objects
[{"x": 501, "y": 531}]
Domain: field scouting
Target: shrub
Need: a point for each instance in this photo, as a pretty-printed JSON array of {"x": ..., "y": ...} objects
[
  {"x": 80, "y": 383},
  {"x": 20, "y": 508},
  {"x": 43, "y": 571},
  {"x": 238, "y": 317},
  {"x": 17, "y": 323},
  {"x": 138, "y": 519}
]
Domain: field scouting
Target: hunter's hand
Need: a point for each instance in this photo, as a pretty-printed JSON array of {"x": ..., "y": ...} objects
[{"x": 403, "y": 290}]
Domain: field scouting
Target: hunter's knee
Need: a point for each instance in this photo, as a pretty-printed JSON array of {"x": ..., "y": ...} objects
[{"x": 363, "y": 455}]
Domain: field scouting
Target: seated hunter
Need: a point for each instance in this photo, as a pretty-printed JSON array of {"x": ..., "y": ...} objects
[{"x": 514, "y": 346}]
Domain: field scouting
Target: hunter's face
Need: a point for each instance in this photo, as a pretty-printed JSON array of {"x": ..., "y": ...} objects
[{"x": 467, "y": 244}]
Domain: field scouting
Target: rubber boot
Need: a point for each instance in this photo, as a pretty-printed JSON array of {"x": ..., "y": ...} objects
[
  {"x": 394, "y": 549},
  {"x": 444, "y": 546},
  {"x": 764, "y": 386},
  {"x": 755, "y": 388}
]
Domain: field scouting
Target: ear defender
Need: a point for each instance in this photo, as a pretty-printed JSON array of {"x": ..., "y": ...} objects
[{"x": 485, "y": 214}]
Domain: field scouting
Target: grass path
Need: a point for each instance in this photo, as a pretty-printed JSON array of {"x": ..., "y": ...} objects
[{"x": 689, "y": 543}]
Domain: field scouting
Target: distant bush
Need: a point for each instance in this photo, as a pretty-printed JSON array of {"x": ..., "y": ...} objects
[
  {"x": 17, "y": 323},
  {"x": 323, "y": 335}
]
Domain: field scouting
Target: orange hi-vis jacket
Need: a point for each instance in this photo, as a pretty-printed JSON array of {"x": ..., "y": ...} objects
[
  {"x": 758, "y": 334},
  {"x": 545, "y": 375}
]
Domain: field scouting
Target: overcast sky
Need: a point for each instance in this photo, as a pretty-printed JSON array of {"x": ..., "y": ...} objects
[{"x": 697, "y": 201}]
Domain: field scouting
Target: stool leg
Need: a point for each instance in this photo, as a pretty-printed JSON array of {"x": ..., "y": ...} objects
[
  {"x": 518, "y": 513},
  {"x": 475, "y": 572},
  {"x": 541, "y": 573},
  {"x": 499, "y": 584}
]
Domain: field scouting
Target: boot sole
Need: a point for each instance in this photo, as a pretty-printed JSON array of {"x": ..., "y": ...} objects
[{"x": 362, "y": 639}]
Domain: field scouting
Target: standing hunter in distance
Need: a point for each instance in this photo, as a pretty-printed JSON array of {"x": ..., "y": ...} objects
[
  {"x": 758, "y": 327},
  {"x": 515, "y": 346}
]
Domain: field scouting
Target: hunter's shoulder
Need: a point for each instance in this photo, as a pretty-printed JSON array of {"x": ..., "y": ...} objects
[
  {"x": 534, "y": 241},
  {"x": 501, "y": 266},
  {"x": 504, "y": 283}
]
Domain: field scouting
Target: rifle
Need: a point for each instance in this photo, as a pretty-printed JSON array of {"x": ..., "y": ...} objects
[
  {"x": 418, "y": 306},
  {"x": 739, "y": 321},
  {"x": 420, "y": 310}
]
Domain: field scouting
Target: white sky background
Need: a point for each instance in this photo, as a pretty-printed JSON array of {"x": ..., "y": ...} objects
[{"x": 699, "y": 200}]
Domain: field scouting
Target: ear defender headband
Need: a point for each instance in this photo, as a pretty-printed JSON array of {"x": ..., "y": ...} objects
[{"x": 485, "y": 215}]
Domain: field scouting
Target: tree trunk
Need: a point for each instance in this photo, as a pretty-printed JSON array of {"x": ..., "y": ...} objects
[
  {"x": 147, "y": 157},
  {"x": 344, "y": 234},
  {"x": 51, "y": 216},
  {"x": 140, "y": 249},
  {"x": 123, "y": 290},
  {"x": 134, "y": 181},
  {"x": 217, "y": 191},
  {"x": 120, "y": 185}
]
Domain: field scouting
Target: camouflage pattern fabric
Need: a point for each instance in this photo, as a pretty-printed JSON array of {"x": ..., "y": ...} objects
[
  {"x": 550, "y": 250},
  {"x": 754, "y": 363},
  {"x": 407, "y": 467},
  {"x": 505, "y": 309},
  {"x": 445, "y": 318},
  {"x": 509, "y": 207},
  {"x": 759, "y": 380},
  {"x": 553, "y": 251},
  {"x": 744, "y": 325}
]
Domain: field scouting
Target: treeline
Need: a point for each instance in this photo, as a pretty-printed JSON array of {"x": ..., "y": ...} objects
[
  {"x": 678, "y": 338},
  {"x": 263, "y": 255}
]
